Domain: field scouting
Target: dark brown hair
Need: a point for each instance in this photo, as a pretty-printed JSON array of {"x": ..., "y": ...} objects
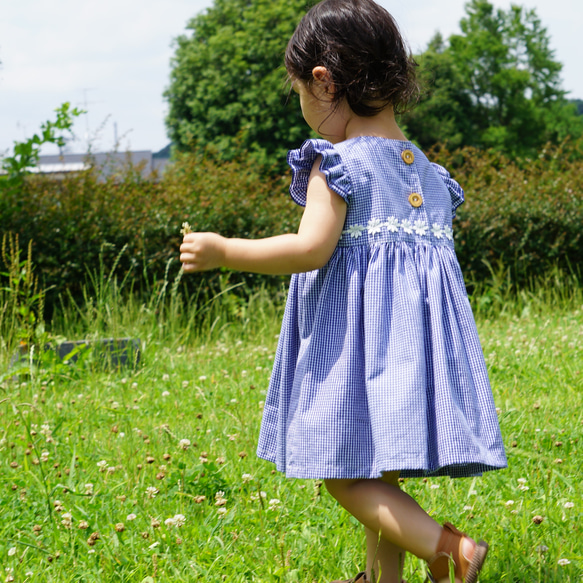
[{"x": 360, "y": 45}]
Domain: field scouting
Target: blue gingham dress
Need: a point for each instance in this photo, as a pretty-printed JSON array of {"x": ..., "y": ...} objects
[{"x": 379, "y": 366}]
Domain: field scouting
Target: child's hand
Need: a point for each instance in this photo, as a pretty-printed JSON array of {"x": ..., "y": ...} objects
[{"x": 202, "y": 251}]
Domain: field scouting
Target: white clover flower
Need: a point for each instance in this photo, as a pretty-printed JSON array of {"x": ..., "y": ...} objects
[
  {"x": 67, "y": 520},
  {"x": 355, "y": 231},
  {"x": 89, "y": 489},
  {"x": 274, "y": 504},
  {"x": 563, "y": 562},
  {"x": 568, "y": 505},
  {"x": 44, "y": 456},
  {"x": 374, "y": 226},
  {"x": 522, "y": 480},
  {"x": 202, "y": 378},
  {"x": 407, "y": 226},
  {"x": 165, "y": 393},
  {"x": 523, "y": 488},
  {"x": 131, "y": 517},
  {"x": 179, "y": 520},
  {"x": 222, "y": 511},
  {"x": 392, "y": 224},
  {"x": 110, "y": 469},
  {"x": 102, "y": 465},
  {"x": 151, "y": 491},
  {"x": 11, "y": 551},
  {"x": 184, "y": 384},
  {"x": 184, "y": 444},
  {"x": 466, "y": 507},
  {"x": 420, "y": 227},
  {"x": 434, "y": 486},
  {"x": 437, "y": 231},
  {"x": 165, "y": 377},
  {"x": 509, "y": 503},
  {"x": 246, "y": 478},
  {"x": 473, "y": 493},
  {"x": 115, "y": 405}
]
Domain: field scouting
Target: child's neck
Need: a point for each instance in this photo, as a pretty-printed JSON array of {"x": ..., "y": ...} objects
[{"x": 382, "y": 125}]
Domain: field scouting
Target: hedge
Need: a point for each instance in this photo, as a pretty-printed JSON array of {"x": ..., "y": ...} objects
[{"x": 527, "y": 214}]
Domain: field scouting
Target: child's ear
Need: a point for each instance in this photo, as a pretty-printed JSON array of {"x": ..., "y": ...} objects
[{"x": 322, "y": 77}]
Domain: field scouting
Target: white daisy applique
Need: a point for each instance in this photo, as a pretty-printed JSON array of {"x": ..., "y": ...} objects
[
  {"x": 448, "y": 232},
  {"x": 374, "y": 226},
  {"x": 437, "y": 231},
  {"x": 355, "y": 231},
  {"x": 407, "y": 226},
  {"x": 420, "y": 227},
  {"x": 392, "y": 224}
]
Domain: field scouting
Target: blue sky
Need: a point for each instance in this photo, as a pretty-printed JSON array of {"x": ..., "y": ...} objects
[{"x": 112, "y": 58}]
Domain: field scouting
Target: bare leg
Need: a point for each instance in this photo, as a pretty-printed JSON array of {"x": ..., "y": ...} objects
[
  {"x": 383, "y": 508},
  {"x": 384, "y": 560}
]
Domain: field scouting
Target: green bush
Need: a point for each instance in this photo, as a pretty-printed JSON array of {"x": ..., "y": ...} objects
[{"x": 526, "y": 215}]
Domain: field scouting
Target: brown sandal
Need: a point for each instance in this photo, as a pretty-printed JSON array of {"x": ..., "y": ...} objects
[{"x": 450, "y": 548}]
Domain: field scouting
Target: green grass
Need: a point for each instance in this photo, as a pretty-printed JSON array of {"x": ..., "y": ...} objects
[{"x": 207, "y": 383}]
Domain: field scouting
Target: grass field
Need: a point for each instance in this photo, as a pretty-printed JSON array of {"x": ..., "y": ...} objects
[{"x": 151, "y": 475}]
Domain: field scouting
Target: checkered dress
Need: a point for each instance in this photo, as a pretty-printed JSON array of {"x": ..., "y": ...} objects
[{"x": 379, "y": 366}]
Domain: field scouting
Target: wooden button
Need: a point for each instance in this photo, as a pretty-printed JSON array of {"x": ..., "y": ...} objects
[
  {"x": 408, "y": 156},
  {"x": 415, "y": 199}
]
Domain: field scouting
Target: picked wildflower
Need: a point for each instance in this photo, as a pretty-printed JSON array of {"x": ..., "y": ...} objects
[
  {"x": 246, "y": 478},
  {"x": 151, "y": 491},
  {"x": 67, "y": 520},
  {"x": 563, "y": 562},
  {"x": 186, "y": 229},
  {"x": 274, "y": 504},
  {"x": 131, "y": 517}
]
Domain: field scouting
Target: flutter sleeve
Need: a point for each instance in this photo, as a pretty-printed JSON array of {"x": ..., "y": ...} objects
[
  {"x": 301, "y": 162},
  {"x": 455, "y": 190}
]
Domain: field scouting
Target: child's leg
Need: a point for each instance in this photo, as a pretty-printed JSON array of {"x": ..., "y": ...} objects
[
  {"x": 385, "y": 509},
  {"x": 384, "y": 560}
]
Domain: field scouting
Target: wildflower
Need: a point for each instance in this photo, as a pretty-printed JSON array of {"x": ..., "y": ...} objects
[
  {"x": 186, "y": 228},
  {"x": 568, "y": 505},
  {"x": 203, "y": 459},
  {"x": 93, "y": 538},
  {"x": 199, "y": 499},
  {"x": 509, "y": 503},
  {"x": 169, "y": 522},
  {"x": 44, "y": 456},
  {"x": 67, "y": 520},
  {"x": 466, "y": 507},
  {"x": 165, "y": 377},
  {"x": 166, "y": 393},
  {"x": 11, "y": 551},
  {"x": 221, "y": 460},
  {"x": 102, "y": 465},
  {"x": 58, "y": 506},
  {"x": 537, "y": 519},
  {"x": 221, "y": 512},
  {"x": 523, "y": 488},
  {"x": 119, "y": 527},
  {"x": 83, "y": 525},
  {"x": 434, "y": 486},
  {"x": 563, "y": 562},
  {"x": 246, "y": 478},
  {"x": 202, "y": 378},
  {"x": 472, "y": 493},
  {"x": 184, "y": 384},
  {"x": 274, "y": 504},
  {"x": 131, "y": 517},
  {"x": 154, "y": 523},
  {"x": 521, "y": 480},
  {"x": 37, "y": 528},
  {"x": 542, "y": 549},
  {"x": 110, "y": 469},
  {"x": 184, "y": 444},
  {"x": 151, "y": 491},
  {"x": 179, "y": 520},
  {"x": 154, "y": 545}
]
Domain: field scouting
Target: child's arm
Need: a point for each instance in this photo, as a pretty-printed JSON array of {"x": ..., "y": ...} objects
[{"x": 310, "y": 248}]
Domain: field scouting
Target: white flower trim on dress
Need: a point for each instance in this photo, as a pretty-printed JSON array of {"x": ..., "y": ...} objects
[{"x": 392, "y": 224}]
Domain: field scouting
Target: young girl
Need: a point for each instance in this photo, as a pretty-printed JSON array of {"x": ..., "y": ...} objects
[{"x": 379, "y": 372}]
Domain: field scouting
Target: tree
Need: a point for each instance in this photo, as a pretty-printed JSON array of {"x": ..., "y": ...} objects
[
  {"x": 227, "y": 90},
  {"x": 497, "y": 84}
]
